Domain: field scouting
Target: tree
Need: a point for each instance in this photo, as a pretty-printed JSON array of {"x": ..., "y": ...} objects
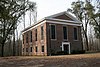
[
  {"x": 95, "y": 20},
  {"x": 10, "y": 16},
  {"x": 77, "y": 10},
  {"x": 83, "y": 11}
]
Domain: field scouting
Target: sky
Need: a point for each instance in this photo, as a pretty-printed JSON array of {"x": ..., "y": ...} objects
[
  {"x": 50, "y": 7},
  {"x": 46, "y": 8}
]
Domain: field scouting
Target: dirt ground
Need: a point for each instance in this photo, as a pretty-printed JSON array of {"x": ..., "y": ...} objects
[{"x": 80, "y": 60}]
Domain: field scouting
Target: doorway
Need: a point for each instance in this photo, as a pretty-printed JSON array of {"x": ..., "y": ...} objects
[{"x": 66, "y": 47}]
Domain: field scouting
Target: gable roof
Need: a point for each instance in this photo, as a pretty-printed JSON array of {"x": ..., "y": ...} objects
[
  {"x": 63, "y": 16},
  {"x": 60, "y": 17}
]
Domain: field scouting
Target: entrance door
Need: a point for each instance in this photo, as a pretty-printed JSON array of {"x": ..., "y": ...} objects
[{"x": 66, "y": 48}]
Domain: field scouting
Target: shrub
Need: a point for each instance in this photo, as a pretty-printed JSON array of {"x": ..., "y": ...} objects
[
  {"x": 78, "y": 52},
  {"x": 61, "y": 53}
]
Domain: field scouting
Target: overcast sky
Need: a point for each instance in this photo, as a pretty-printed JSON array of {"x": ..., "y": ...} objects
[
  {"x": 49, "y": 7},
  {"x": 46, "y": 8}
]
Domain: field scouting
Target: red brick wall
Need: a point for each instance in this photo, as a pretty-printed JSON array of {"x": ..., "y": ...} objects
[
  {"x": 56, "y": 44},
  {"x": 34, "y": 43}
]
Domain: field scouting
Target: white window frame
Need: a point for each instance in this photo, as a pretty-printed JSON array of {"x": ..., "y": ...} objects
[
  {"x": 43, "y": 31},
  {"x": 67, "y": 32},
  {"x": 77, "y": 33},
  {"x": 55, "y": 32}
]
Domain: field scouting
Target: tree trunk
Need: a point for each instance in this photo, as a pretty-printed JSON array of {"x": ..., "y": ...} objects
[
  {"x": 86, "y": 39},
  {"x": 17, "y": 43},
  {"x": 14, "y": 43},
  {"x": 9, "y": 47},
  {"x": 2, "y": 50}
]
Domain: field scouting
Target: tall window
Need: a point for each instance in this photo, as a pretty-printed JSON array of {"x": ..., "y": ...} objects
[
  {"x": 36, "y": 48},
  {"x": 23, "y": 39},
  {"x": 23, "y": 49},
  {"x": 27, "y": 38},
  {"x": 35, "y": 34},
  {"x": 30, "y": 49},
  {"x": 53, "y": 32},
  {"x": 26, "y": 49},
  {"x": 42, "y": 48},
  {"x": 65, "y": 33},
  {"x": 75, "y": 34},
  {"x": 30, "y": 36},
  {"x": 42, "y": 33}
]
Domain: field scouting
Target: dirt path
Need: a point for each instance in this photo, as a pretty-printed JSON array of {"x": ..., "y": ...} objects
[{"x": 82, "y": 60}]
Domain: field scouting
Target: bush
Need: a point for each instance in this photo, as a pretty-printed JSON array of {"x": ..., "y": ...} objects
[
  {"x": 59, "y": 53},
  {"x": 78, "y": 52}
]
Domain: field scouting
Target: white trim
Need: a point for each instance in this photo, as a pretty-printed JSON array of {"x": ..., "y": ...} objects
[
  {"x": 51, "y": 21},
  {"x": 30, "y": 49},
  {"x": 66, "y": 13},
  {"x": 67, "y": 32},
  {"x": 67, "y": 43},
  {"x": 41, "y": 48},
  {"x": 72, "y": 17},
  {"x": 34, "y": 26},
  {"x": 77, "y": 34},
  {"x": 41, "y": 31},
  {"x": 69, "y": 22},
  {"x": 55, "y": 22},
  {"x": 55, "y": 32},
  {"x": 61, "y": 20},
  {"x": 58, "y": 14}
]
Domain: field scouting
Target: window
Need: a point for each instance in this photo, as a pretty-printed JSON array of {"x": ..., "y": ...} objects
[
  {"x": 42, "y": 48},
  {"x": 53, "y": 32},
  {"x": 65, "y": 33},
  {"x": 23, "y": 49},
  {"x": 36, "y": 49},
  {"x": 26, "y": 49},
  {"x": 75, "y": 33},
  {"x": 30, "y": 49},
  {"x": 35, "y": 34},
  {"x": 23, "y": 39},
  {"x": 42, "y": 32},
  {"x": 27, "y": 38},
  {"x": 30, "y": 36}
]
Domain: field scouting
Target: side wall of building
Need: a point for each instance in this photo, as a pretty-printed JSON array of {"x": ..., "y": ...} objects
[{"x": 35, "y": 46}]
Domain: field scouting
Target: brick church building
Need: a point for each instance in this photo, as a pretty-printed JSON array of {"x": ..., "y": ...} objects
[{"x": 52, "y": 34}]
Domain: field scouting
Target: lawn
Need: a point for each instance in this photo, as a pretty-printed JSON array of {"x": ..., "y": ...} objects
[{"x": 79, "y": 60}]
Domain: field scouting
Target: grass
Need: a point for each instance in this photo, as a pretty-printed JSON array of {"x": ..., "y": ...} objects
[{"x": 77, "y": 60}]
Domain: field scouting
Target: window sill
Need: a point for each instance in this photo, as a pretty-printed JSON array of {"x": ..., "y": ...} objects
[
  {"x": 75, "y": 40},
  {"x": 30, "y": 43},
  {"x": 65, "y": 39},
  {"x": 53, "y": 39},
  {"x": 42, "y": 40}
]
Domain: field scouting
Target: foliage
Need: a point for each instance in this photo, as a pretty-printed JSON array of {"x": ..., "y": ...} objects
[
  {"x": 85, "y": 12},
  {"x": 95, "y": 20},
  {"x": 10, "y": 15}
]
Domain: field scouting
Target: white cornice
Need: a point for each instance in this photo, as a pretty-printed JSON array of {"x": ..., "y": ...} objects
[
  {"x": 61, "y": 20},
  {"x": 51, "y": 19},
  {"x": 64, "y": 23},
  {"x": 54, "y": 22},
  {"x": 34, "y": 26}
]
